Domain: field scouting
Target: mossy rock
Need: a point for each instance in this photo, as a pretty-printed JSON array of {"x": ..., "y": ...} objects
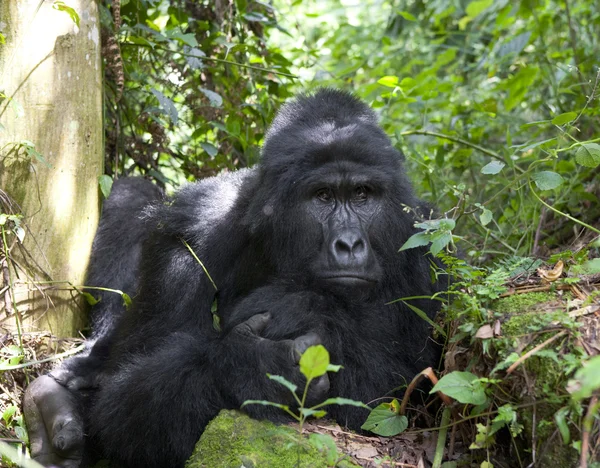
[{"x": 234, "y": 440}]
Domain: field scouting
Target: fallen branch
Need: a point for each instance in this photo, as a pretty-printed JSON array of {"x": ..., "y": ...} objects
[{"x": 528, "y": 354}]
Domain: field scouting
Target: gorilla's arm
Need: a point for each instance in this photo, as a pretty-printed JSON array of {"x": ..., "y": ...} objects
[{"x": 173, "y": 392}]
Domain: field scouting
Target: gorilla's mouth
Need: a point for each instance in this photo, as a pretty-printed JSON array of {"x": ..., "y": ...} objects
[{"x": 349, "y": 280}]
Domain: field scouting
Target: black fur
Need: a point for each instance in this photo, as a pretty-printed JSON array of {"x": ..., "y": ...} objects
[{"x": 303, "y": 249}]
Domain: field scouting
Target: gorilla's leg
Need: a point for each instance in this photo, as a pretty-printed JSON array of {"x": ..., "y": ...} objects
[
  {"x": 53, "y": 404},
  {"x": 54, "y": 423}
]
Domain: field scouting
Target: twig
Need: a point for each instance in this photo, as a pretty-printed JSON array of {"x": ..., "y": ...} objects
[
  {"x": 48, "y": 359},
  {"x": 428, "y": 373},
  {"x": 588, "y": 421},
  {"x": 528, "y": 354},
  {"x": 455, "y": 140},
  {"x": 538, "y": 232},
  {"x": 591, "y": 228},
  {"x": 213, "y": 59}
]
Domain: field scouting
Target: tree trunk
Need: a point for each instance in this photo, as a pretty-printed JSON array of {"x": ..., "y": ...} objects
[{"x": 51, "y": 154}]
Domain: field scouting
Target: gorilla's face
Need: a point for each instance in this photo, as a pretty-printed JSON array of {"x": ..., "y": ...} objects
[
  {"x": 327, "y": 207},
  {"x": 343, "y": 201}
]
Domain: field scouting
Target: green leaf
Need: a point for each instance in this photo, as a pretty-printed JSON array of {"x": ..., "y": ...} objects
[
  {"x": 477, "y": 7},
  {"x": 283, "y": 381},
  {"x": 210, "y": 149},
  {"x": 424, "y": 316},
  {"x": 105, "y": 183},
  {"x": 265, "y": 403},
  {"x": 485, "y": 217},
  {"x": 462, "y": 386},
  {"x": 385, "y": 421},
  {"x": 334, "y": 368},
  {"x": 564, "y": 118},
  {"x": 560, "y": 417},
  {"x": 416, "y": 240},
  {"x": 434, "y": 224},
  {"x": 61, "y": 6},
  {"x": 187, "y": 39},
  {"x": 326, "y": 444},
  {"x": 314, "y": 362},
  {"x": 215, "y": 99},
  {"x": 91, "y": 300},
  {"x": 342, "y": 401},
  {"x": 9, "y": 413},
  {"x": 493, "y": 167},
  {"x": 547, "y": 180},
  {"x": 587, "y": 380},
  {"x": 307, "y": 412},
  {"x": 167, "y": 105},
  {"x": 439, "y": 240},
  {"x": 588, "y": 155},
  {"x": 406, "y": 15},
  {"x": 126, "y": 300},
  {"x": 389, "y": 81}
]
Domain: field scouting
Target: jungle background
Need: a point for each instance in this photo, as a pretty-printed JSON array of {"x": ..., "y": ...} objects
[{"x": 495, "y": 105}]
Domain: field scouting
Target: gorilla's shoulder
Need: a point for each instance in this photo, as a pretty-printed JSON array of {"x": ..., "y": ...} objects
[{"x": 198, "y": 207}]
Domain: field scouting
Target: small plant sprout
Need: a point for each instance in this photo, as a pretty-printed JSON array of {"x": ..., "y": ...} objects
[{"x": 313, "y": 364}]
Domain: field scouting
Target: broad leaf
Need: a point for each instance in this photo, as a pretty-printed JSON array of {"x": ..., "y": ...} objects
[
  {"x": 493, "y": 168},
  {"x": 385, "y": 421},
  {"x": 547, "y": 180},
  {"x": 389, "y": 81},
  {"x": 562, "y": 119},
  {"x": 105, "y": 183},
  {"x": 416, "y": 240},
  {"x": 314, "y": 361},
  {"x": 588, "y": 155},
  {"x": 464, "y": 387}
]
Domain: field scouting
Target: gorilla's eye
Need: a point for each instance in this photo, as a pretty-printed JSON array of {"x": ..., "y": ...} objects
[
  {"x": 360, "y": 193},
  {"x": 324, "y": 195}
]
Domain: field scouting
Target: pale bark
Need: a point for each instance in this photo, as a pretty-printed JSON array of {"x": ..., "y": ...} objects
[{"x": 50, "y": 70}]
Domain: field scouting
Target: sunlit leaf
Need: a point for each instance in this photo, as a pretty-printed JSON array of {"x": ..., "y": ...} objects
[
  {"x": 477, "y": 7},
  {"x": 314, "y": 361},
  {"x": 389, "y": 81},
  {"x": 564, "y": 118}
]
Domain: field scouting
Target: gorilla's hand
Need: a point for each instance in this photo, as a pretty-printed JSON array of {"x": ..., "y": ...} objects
[
  {"x": 54, "y": 423},
  {"x": 278, "y": 357}
]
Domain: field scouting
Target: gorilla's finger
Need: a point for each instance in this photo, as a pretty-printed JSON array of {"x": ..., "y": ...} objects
[
  {"x": 254, "y": 325},
  {"x": 319, "y": 387},
  {"x": 302, "y": 343}
]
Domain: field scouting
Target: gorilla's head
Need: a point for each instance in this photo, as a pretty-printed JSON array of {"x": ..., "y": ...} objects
[{"x": 328, "y": 205}]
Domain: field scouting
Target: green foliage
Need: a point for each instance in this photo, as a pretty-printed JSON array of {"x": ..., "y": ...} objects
[
  {"x": 385, "y": 420},
  {"x": 314, "y": 363},
  {"x": 196, "y": 90},
  {"x": 464, "y": 387},
  {"x": 61, "y": 6},
  {"x": 483, "y": 97}
]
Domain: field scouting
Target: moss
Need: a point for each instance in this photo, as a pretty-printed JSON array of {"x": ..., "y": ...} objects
[
  {"x": 233, "y": 439},
  {"x": 519, "y": 303}
]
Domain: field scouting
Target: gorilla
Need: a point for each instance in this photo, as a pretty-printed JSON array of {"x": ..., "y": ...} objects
[{"x": 235, "y": 276}]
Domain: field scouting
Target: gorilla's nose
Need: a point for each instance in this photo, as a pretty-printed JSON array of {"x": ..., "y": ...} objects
[{"x": 349, "y": 249}]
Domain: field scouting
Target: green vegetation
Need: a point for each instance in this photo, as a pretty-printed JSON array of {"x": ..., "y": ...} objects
[{"x": 496, "y": 106}]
